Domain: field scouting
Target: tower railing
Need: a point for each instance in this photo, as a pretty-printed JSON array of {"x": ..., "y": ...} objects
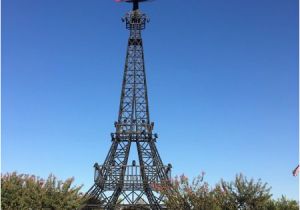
[
  {"x": 135, "y": 20},
  {"x": 132, "y": 180}
]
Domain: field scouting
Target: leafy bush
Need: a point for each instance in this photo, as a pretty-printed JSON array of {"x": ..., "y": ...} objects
[
  {"x": 283, "y": 204},
  {"x": 22, "y": 191},
  {"x": 186, "y": 195},
  {"x": 241, "y": 194}
]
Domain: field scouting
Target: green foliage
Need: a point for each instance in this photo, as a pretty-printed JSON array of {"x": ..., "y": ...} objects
[
  {"x": 241, "y": 194},
  {"x": 186, "y": 195},
  {"x": 283, "y": 204},
  {"x": 28, "y": 192},
  {"x": 22, "y": 191}
]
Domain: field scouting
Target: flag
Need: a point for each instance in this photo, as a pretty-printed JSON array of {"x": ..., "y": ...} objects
[{"x": 296, "y": 171}]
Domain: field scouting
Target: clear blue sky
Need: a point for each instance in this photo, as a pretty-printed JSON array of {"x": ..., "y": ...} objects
[{"x": 222, "y": 76}]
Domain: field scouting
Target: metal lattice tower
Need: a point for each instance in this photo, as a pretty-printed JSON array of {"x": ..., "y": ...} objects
[{"x": 118, "y": 184}]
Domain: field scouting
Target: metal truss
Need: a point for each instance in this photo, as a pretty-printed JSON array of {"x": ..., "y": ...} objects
[{"x": 118, "y": 184}]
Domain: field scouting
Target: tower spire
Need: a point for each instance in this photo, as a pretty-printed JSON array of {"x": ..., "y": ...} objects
[
  {"x": 135, "y": 5},
  {"x": 116, "y": 182}
]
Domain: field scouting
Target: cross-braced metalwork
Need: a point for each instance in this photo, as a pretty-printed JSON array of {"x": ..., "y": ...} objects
[{"x": 116, "y": 182}]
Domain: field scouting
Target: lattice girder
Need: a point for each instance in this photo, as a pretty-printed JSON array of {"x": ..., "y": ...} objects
[{"x": 116, "y": 182}]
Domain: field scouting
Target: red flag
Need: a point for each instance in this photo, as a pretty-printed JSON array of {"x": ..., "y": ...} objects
[{"x": 296, "y": 171}]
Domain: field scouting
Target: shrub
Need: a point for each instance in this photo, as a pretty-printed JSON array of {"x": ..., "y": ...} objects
[
  {"x": 240, "y": 194},
  {"x": 22, "y": 191}
]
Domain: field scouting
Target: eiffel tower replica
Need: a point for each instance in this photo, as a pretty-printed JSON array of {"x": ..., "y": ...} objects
[{"x": 117, "y": 184}]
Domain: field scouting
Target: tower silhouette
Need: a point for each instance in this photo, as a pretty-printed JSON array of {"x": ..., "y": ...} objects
[{"x": 116, "y": 183}]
